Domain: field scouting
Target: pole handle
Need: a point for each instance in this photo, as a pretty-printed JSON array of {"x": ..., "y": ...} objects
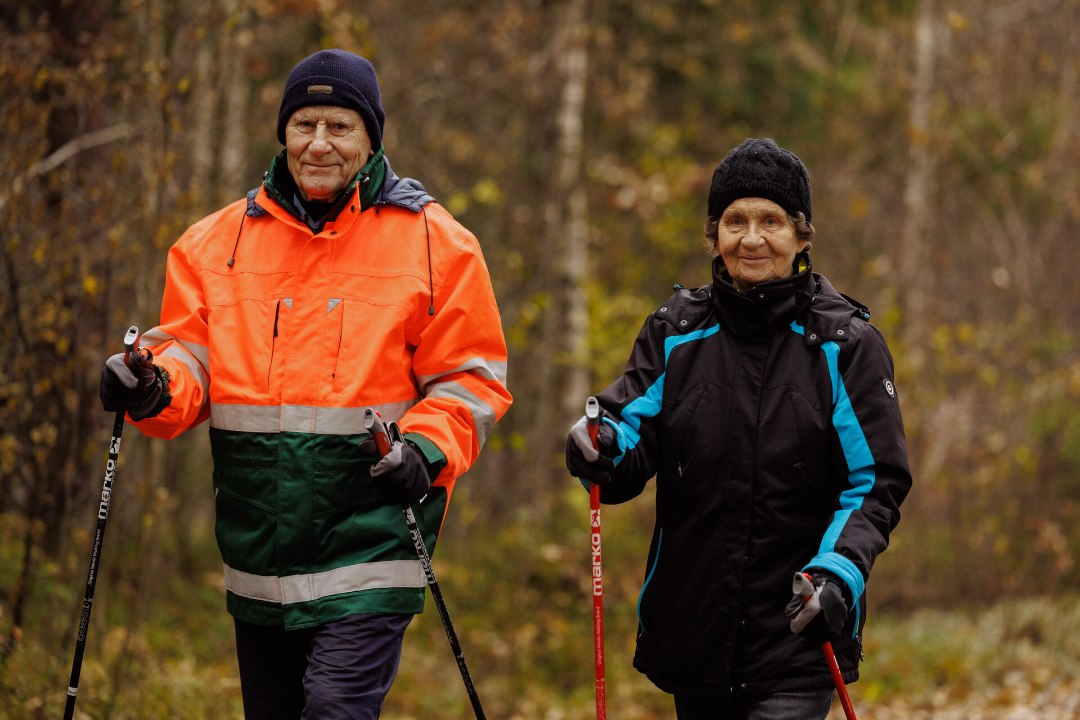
[
  {"x": 374, "y": 425},
  {"x": 592, "y": 421},
  {"x": 803, "y": 586}
]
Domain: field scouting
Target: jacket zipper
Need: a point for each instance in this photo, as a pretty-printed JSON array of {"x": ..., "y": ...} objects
[{"x": 273, "y": 344}]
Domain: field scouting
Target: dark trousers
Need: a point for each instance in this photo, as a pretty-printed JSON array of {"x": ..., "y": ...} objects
[
  {"x": 792, "y": 705},
  {"x": 338, "y": 671}
]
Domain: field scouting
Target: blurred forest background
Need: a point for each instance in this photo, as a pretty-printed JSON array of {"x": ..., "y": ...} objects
[{"x": 576, "y": 138}]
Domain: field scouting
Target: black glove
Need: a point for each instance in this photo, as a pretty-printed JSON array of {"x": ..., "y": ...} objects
[
  {"x": 823, "y": 615},
  {"x": 403, "y": 474},
  {"x": 582, "y": 459},
  {"x": 142, "y": 390}
]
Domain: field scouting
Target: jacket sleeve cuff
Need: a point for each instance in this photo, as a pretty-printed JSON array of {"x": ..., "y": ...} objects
[
  {"x": 431, "y": 453},
  {"x": 842, "y": 568}
]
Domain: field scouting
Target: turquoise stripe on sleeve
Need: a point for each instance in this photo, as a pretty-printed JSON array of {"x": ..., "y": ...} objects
[
  {"x": 860, "y": 460},
  {"x": 844, "y": 569},
  {"x": 861, "y": 478}
]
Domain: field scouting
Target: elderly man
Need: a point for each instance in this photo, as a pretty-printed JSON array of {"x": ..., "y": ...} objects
[{"x": 333, "y": 287}]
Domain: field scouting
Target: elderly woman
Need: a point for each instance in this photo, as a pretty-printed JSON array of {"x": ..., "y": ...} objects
[{"x": 765, "y": 407}]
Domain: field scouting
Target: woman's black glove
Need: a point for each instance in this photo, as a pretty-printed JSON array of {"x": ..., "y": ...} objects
[
  {"x": 403, "y": 474},
  {"x": 822, "y": 616},
  {"x": 139, "y": 387},
  {"x": 583, "y": 460}
]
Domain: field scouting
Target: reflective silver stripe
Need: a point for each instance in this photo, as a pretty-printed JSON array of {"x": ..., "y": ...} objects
[
  {"x": 300, "y": 418},
  {"x": 157, "y": 336},
  {"x": 483, "y": 415},
  {"x": 487, "y": 369},
  {"x": 192, "y": 364},
  {"x": 314, "y": 586}
]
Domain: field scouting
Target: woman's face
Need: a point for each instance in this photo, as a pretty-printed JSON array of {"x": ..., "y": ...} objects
[{"x": 757, "y": 242}]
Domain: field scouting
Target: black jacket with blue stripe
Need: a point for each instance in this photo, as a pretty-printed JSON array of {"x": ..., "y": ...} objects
[{"x": 771, "y": 423}]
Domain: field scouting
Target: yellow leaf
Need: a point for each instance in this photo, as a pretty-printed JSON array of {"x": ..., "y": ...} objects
[
  {"x": 860, "y": 205},
  {"x": 486, "y": 192},
  {"x": 956, "y": 21}
]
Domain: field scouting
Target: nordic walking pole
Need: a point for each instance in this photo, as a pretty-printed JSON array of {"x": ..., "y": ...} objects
[
  {"x": 592, "y": 422},
  {"x": 384, "y": 438},
  {"x": 803, "y": 586},
  {"x": 131, "y": 346}
]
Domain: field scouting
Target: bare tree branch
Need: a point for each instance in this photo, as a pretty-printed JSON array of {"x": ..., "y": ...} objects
[{"x": 75, "y": 146}]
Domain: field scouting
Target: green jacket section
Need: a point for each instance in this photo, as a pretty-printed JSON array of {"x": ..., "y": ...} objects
[{"x": 307, "y": 536}]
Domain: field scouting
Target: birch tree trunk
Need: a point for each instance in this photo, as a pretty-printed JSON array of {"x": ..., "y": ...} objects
[
  {"x": 913, "y": 256},
  {"x": 235, "y": 89},
  {"x": 565, "y": 324},
  {"x": 573, "y": 228}
]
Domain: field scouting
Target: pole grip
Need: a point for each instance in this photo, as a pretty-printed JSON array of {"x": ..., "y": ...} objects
[
  {"x": 592, "y": 421},
  {"x": 374, "y": 425}
]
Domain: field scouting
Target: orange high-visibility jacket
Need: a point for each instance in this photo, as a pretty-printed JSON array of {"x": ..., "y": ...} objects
[{"x": 281, "y": 338}]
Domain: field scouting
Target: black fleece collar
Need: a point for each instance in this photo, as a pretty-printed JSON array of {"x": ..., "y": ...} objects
[{"x": 766, "y": 306}]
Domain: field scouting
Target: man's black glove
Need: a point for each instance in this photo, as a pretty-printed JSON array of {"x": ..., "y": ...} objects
[
  {"x": 823, "y": 615},
  {"x": 142, "y": 390},
  {"x": 403, "y": 474},
  {"x": 583, "y": 460}
]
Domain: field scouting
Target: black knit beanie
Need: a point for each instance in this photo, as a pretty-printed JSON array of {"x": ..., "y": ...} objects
[
  {"x": 760, "y": 168},
  {"x": 334, "y": 77}
]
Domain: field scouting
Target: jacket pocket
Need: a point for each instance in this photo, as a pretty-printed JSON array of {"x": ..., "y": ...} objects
[
  {"x": 372, "y": 351},
  {"x": 341, "y": 476},
  {"x": 245, "y": 498},
  {"x": 247, "y": 342},
  {"x": 695, "y": 447},
  {"x": 814, "y": 442},
  {"x": 681, "y": 622}
]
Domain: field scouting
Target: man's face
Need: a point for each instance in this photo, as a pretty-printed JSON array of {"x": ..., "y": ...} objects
[
  {"x": 326, "y": 146},
  {"x": 757, "y": 242}
]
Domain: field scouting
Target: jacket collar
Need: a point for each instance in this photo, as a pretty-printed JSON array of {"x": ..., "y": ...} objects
[
  {"x": 765, "y": 307},
  {"x": 377, "y": 184}
]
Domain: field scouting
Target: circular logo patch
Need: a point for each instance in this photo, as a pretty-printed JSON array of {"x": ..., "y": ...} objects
[{"x": 889, "y": 387}]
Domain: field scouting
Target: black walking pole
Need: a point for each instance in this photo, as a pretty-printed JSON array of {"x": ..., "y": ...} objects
[
  {"x": 131, "y": 345},
  {"x": 383, "y": 442}
]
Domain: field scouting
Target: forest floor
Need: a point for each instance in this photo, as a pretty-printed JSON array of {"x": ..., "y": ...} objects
[{"x": 1014, "y": 660}]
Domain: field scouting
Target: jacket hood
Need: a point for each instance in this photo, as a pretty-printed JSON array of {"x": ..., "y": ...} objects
[{"x": 405, "y": 193}]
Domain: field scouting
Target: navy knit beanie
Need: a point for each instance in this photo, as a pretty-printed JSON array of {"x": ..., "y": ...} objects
[
  {"x": 334, "y": 77},
  {"x": 760, "y": 168}
]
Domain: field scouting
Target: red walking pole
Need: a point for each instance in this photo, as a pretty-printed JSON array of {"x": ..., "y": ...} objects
[
  {"x": 592, "y": 421},
  {"x": 803, "y": 586}
]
